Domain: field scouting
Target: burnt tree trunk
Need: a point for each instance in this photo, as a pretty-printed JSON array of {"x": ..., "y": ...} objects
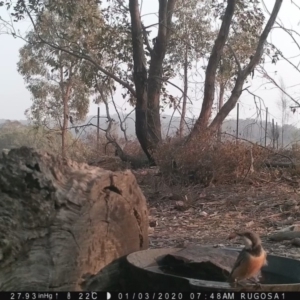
[
  {"x": 140, "y": 76},
  {"x": 148, "y": 83},
  {"x": 61, "y": 221}
]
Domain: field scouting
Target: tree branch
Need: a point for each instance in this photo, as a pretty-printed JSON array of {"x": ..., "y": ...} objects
[
  {"x": 80, "y": 55},
  {"x": 235, "y": 58},
  {"x": 262, "y": 40},
  {"x": 266, "y": 75},
  {"x": 149, "y": 48},
  {"x": 209, "y": 86},
  {"x": 170, "y": 10},
  {"x": 286, "y": 59},
  {"x": 176, "y": 86},
  {"x": 238, "y": 88}
]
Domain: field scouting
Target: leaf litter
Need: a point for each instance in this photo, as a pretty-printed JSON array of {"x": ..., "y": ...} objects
[{"x": 207, "y": 216}]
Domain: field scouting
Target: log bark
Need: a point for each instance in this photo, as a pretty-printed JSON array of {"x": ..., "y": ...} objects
[{"x": 61, "y": 220}]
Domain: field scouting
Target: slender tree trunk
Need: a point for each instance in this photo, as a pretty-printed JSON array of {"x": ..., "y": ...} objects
[
  {"x": 282, "y": 135},
  {"x": 185, "y": 91},
  {"x": 228, "y": 106},
  {"x": 243, "y": 73},
  {"x": 64, "y": 132},
  {"x": 209, "y": 87},
  {"x": 221, "y": 102},
  {"x": 210, "y": 78},
  {"x": 66, "y": 88}
]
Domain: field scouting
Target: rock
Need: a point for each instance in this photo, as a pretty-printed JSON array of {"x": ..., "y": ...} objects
[
  {"x": 5, "y": 152},
  {"x": 249, "y": 224},
  {"x": 183, "y": 244},
  {"x": 180, "y": 205},
  {"x": 152, "y": 223},
  {"x": 203, "y": 214},
  {"x": 219, "y": 246},
  {"x": 295, "y": 227},
  {"x": 60, "y": 220},
  {"x": 175, "y": 197},
  {"x": 296, "y": 242},
  {"x": 284, "y": 235}
]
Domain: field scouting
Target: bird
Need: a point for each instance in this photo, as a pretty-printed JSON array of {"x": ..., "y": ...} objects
[{"x": 250, "y": 260}]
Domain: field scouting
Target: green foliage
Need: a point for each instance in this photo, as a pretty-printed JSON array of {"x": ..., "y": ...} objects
[
  {"x": 50, "y": 72},
  {"x": 191, "y": 29},
  {"x": 245, "y": 31},
  {"x": 109, "y": 43}
]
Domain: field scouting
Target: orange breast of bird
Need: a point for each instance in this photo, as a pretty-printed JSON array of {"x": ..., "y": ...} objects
[{"x": 249, "y": 267}]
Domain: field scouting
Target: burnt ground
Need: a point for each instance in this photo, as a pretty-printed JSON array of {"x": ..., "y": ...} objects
[{"x": 180, "y": 215}]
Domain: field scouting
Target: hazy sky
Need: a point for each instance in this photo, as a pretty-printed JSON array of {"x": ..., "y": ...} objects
[{"x": 15, "y": 99}]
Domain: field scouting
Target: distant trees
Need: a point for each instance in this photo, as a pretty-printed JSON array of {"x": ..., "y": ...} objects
[
  {"x": 14, "y": 134},
  {"x": 139, "y": 66},
  {"x": 190, "y": 41},
  {"x": 60, "y": 83}
]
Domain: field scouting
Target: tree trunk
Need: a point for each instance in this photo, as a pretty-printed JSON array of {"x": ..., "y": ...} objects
[
  {"x": 61, "y": 220},
  {"x": 243, "y": 73},
  {"x": 210, "y": 78},
  {"x": 209, "y": 86},
  {"x": 65, "y": 94},
  {"x": 228, "y": 106},
  {"x": 148, "y": 88},
  {"x": 185, "y": 91},
  {"x": 153, "y": 97},
  {"x": 282, "y": 136},
  {"x": 140, "y": 77},
  {"x": 64, "y": 132},
  {"x": 221, "y": 102}
]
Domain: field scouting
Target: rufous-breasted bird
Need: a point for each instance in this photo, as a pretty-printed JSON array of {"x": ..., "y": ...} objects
[{"x": 250, "y": 260}]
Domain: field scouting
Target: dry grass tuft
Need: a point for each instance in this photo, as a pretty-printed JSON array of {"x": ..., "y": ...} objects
[{"x": 208, "y": 161}]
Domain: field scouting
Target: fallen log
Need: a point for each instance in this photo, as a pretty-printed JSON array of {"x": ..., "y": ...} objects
[
  {"x": 284, "y": 235},
  {"x": 61, "y": 220}
]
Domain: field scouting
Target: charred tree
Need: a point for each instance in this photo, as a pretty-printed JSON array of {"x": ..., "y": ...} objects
[{"x": 148, "y": 82}]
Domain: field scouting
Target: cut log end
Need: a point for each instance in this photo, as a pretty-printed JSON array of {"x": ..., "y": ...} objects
[{"x": 60, "y": 220}]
